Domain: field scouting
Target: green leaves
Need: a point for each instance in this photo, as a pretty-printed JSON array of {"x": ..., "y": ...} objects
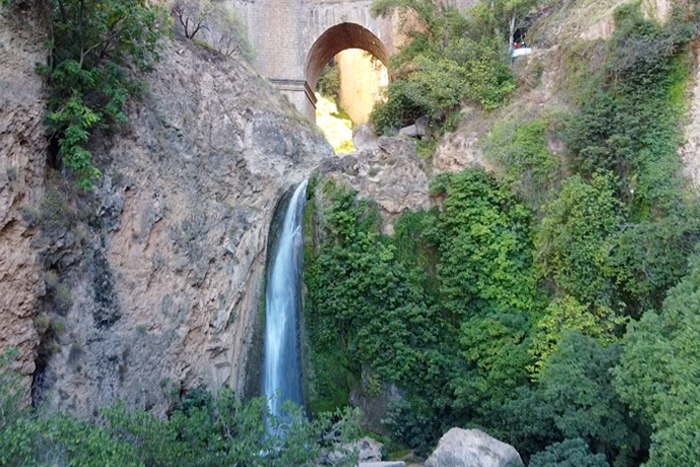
[
  {"x": 443, "y": 64},
  {"x": 94, "y": 41},
  {"x": 574, "y": 239},
  {"x": 204, "y": 430},
  {"x": 570, "y": 453},
  {"x": 521, "y": 150},
  {"x": 659, "y": 374}
]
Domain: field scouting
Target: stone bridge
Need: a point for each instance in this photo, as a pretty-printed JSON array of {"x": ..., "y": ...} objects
[{"x": 294, "y": 39}]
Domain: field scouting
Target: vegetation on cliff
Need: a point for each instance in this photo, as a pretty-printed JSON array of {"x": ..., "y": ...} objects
[
  {"x": 550, "y": 306},
  {"x": 92, "y": 46},
  {"x": 452, "y": 56},
  {"x": 203, "y": 429}
]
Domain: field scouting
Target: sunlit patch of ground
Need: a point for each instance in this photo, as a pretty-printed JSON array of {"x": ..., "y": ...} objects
[{"x": 336, "y": 127}]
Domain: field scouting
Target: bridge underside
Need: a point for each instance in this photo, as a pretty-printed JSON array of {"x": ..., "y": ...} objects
[{"x": 334, "y": 40}]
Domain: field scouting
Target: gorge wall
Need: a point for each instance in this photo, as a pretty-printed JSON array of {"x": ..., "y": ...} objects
[
  {"x": 22, "y": 167},
  {"x": 150, "y": 284}
]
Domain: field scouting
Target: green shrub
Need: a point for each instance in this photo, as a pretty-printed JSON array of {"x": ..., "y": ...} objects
[
  {"x": 570, "y": 453},
  {"x": 93, "y": 45},
  {"x": 659, "y": 372},
  {"x": 329, "y": 82},
  {"x": 523, "y": 154},
  {"x": 445, "y": 63}
]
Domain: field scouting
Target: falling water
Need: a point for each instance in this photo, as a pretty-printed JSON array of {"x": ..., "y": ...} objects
[{"x": 282, "y": 372}]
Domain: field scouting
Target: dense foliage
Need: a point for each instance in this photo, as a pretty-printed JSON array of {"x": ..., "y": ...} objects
[
  {"x": 202, "y": 430},
  {"x": 452, "y": 56},
  {"x": 530, "y": 305},
  {"x": 93, "y": 46},
  {"x": 659, "y": 374}
]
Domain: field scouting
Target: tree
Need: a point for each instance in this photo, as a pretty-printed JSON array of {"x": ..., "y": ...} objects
[
  {"x": 577, "y": 385},
  {"x": 193, "y": 14},
  {"x": 230, "y": 32},
  {"x": 446, "y": 61},
  {"x": 659, "y": 373},
  {"x": 575, "y": 237},
  {"x": 93, "y": 43},
  {"x": 570, "y": 453},
  {"x": 482, "y": 236},
  {"x": 566, "y": 314}
]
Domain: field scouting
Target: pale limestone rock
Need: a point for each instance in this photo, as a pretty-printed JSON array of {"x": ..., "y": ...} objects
[
  {"x": 383, "y": 464},
  {"x": 364, "y": 137},
  {"x": 472, "y": 448},
  {"x": 409, "y": 130},
  {"x": 394, "y": 176},
  {"x": 369, "y": 450},
  {"x": 458, "y": 151},
  {"x": 690, "y": 151}
]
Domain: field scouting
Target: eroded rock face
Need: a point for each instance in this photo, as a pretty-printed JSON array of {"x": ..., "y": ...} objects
[
  {"x": 165, "y": 273},
  {"x": 22, "y": 163},
  {"x": 690, "y": 151},
  {"x": 472, "y": 448},
  {"x": 393, "y": 175}
]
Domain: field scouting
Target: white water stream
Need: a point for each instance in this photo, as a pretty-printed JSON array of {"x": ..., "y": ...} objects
[{"x": 282, "y": 368}]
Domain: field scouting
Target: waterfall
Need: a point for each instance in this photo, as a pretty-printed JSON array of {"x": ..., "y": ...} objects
[{"x": 282, "y": 369}]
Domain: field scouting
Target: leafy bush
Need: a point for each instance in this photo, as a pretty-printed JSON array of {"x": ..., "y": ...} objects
[
  {"x": 329, "y": 82},
  {"x": 570, "y": 453},
  {"x": 658, "y": 375},
  {"x": 575, "y": 237},
  {"x": 202, "y": 430},
  {"x": 93, "y": 44},
  {"x": 441, "y": 66},
  {"x": 523, "y": 154}
]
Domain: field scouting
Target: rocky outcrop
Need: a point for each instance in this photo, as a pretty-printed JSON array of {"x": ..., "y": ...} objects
[
  {"x": 370, "y": 453},
  {"x": 164, "y": 268},
  {"x": 22, "y": 163},
  {"x": 690, "y": 151},
  {"x": 472, "y": 448},
  {"x": 393, "y": 175}
]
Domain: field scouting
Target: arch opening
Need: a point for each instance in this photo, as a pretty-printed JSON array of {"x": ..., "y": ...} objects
[
  {"x": 338, "y": 38},
  {"x": 353, "y": 63}
]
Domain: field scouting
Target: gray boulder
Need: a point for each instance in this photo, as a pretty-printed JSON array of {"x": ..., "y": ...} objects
[
  {"x": 409, "y": 130},
  {"x": 472, "y": 448},
  {"x": 422, "y": 125},
  {"x": 369, "y": 450},
  {"x": 363, "y": 137},
  {"x": 383, "y": 464}
]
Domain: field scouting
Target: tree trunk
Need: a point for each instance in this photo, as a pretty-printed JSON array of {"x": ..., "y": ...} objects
[{"x": 511, "y": 33}]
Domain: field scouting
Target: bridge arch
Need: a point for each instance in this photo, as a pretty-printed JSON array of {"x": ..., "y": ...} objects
[{"x": 338, "y": 38}]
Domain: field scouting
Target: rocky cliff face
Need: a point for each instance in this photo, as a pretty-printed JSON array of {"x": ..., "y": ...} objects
[
  {"x": 150, "y": 284},
  {"x": 22, "y": 165},
  {"x": 386, "y": 170}
]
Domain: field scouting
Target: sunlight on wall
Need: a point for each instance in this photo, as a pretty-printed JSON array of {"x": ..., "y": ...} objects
[
  {"x": 362, "y": 78},
  {"x": 336, "y": 127}
]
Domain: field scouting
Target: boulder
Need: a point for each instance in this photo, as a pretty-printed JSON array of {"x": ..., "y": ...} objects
[
  {"x": 383, "y": 464},
  {"x": 410, "y": 130},
  {"x": 369, "y": 453},
  {"x": 422, "y": 126},
  {"x": 369, "y": 450},
  {"x": 472, "y": 448},
  {"x": 363, "y": 137}
]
